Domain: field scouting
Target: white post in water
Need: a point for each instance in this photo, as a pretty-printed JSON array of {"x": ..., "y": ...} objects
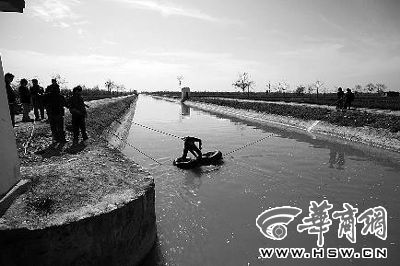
[
  {"x": 185, "y": 94},
  {"x": 9, "y": 162}
]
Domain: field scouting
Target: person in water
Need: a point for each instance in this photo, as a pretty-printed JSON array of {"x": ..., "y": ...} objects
[{"x": 189, "y": 145}]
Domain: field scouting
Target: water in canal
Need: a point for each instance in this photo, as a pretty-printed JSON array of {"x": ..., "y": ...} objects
[{"x": 207, "y": 216}]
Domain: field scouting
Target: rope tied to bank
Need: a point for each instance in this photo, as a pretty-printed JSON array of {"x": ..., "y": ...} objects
[
  {"x": 127, "y": 143},
  {"x": 152, "y": 129},
  {"x": 136, "y": 149},
  {"x": 250, "y": 144}
]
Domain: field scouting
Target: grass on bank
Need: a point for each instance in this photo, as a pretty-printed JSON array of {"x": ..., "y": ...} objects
[
  {"x": 362, "y": 100},
  {"x": 66, "y": 182},
  {"x": 351, "y": 118}
]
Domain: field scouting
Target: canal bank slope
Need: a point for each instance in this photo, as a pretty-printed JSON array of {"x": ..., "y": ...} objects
[
  {"x": 87, "y": 204},
  {"x": 376, "y": 137}
]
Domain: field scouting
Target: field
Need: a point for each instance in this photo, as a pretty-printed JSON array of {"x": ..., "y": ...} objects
[
  {"x": 87, "y": 94},
  {"x": 362, "y": 100},
  {"x": 95, "y": 94},
  {"x": 353, "y": 118}
]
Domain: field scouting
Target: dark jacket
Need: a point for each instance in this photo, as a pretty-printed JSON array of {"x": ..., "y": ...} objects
[
  {"x": 24, "y": 95},
  {"x": 54, "y": 103},
  {"x": 76, "y": 105},
  {"x": 36, "y": 91},
  {"x": 10, "y": 94},
  {"x": 340, "y": 95},
  {"x": 349, "y": 97},
  {"x": 190, "y": 142},
  {"x": 52, "y": 87}
]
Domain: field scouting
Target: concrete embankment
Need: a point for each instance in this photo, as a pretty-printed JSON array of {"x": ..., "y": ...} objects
[
  {"x": 87, "y": 205},
  {"x": 379, "y": 138}
]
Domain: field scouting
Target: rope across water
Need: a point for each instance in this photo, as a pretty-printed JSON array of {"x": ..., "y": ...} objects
[
  {"x": 175, "y": 136},
  {"x": 249, "y": 144},
  {"x": 156, "y": 130},
  {"x": 127, "y": 143}
]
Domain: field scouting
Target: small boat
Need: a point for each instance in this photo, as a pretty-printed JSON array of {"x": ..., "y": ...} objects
[
  {"x": 186, "y": 163},
  {"x": 212, "y": 157}
]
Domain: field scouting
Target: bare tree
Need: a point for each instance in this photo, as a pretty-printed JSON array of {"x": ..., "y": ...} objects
[
  {"x": 110, "y": 85},
  {"x": 358, "y": 88},
  {"x": 244, "y": 82},
  {"x": 370, "y": 87},
  {"x": 268, "y": 85},
  {"x": 310, "y": 88},
  {"x": 300, "y": 90},
  {"x": 380, "y": 88},
  {"x": 283, "y": 86},
  {"x": 318, "y": 84}
]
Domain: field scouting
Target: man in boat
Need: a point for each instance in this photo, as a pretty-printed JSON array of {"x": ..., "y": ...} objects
[{"x": 189, "y": 145}]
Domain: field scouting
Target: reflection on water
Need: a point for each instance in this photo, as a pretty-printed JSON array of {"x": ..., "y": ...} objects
[
  {"x": 206, "y": 216},
  {"x": 185, "y": 110},
  {"x": 336, "y": 159}
]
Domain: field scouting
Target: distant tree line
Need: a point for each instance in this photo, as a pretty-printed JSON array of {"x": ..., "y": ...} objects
[
  {"x": 112, "y": 89},
  {"x": 246, "y": 84}
]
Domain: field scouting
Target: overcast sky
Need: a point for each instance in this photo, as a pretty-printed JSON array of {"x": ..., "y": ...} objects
[{"x": 146, "y": 44}]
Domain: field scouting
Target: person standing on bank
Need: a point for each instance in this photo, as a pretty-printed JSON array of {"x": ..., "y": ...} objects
[
  {"x": 52, "y": 85},
  {"x": 8, "y": 78},
  {"x": 77, "y": 108},
  {"x": 348, "y": 98},
  {"x": 25, "y": 99},
  {"x": 340, "y": 98},
  {"x": 37, "y": 100},
  {"x": 54, "y": 103}
]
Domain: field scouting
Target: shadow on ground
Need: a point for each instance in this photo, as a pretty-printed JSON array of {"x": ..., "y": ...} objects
[
  {"x": 53, "y": 149},
  {"x": 56, "y": 149},
  {"x": 76, "y": 148}
]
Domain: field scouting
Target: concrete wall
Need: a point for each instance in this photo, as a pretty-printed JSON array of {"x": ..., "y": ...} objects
[
  {"x": 118, "y": 132},
  {"x": 122, "y": 236},
  {"x": 185, "y": 93},
  {"x": 9, "y": 162}
]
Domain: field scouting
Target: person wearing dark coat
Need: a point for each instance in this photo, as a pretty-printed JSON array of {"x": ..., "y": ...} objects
[
  {"x": 190, "y": 146},
  {"x": 54, "y": 103},
  {"x": 348, "y": 98},
  {"x": 340, "y": 98},
  {"x": 37, "y": 99},
  {"x": 8, "y": 78},
  {"x": 53, "y": 85},
  {"x": 77, "y": 108},
  {"x": 25, "y": 99}
]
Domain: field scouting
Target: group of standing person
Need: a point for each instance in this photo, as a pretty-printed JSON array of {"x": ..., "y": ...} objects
[
  {"x": 344, "y": 100},
  {"x": 53, "y": 102}
]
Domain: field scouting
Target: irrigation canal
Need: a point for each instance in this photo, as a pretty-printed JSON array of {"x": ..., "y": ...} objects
[{"x": 207, "y": 216}]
